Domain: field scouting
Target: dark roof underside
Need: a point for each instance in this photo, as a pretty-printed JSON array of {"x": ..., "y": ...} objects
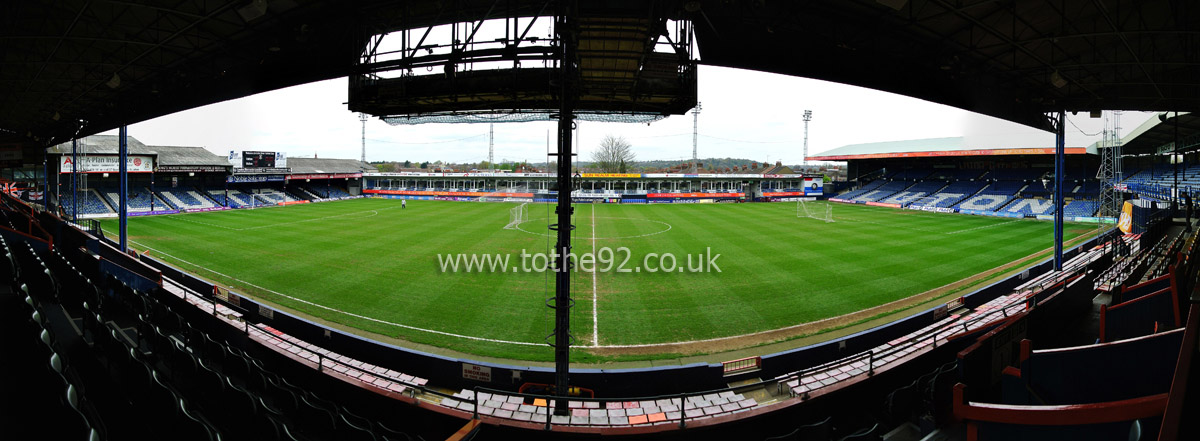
[{"x": 116, "y": 62}]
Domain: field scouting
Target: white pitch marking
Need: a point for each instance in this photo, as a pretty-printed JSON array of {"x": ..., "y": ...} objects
[
  {"x": 595, "y": 317},
  {"x": 184, "y": 218},
  {"x": 491, "y": 340},
  {"x": 594, "y": 233},
  {"x": 351, "y": 314},
  {"x": 983, "y": 226}
]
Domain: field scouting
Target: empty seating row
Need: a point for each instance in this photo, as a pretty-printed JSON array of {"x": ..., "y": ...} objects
[
  {"x": 914, "y": 193},
  {"x": 89, "y": 202},
  {"x": 1115, "y": 389},
  {"x": 138, "y": 200},
  {"x": 135, "y": 367},
  {"x": 186, "y": 199},
  {"x": 951, "y": 195},
  {"x": 601, "y": 413},
  {"x": 887, "y": 189}
]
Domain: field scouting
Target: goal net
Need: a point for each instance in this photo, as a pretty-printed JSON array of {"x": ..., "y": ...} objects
[
  {"x": 516, "y": 215},
  {"x": 822, "y": 211}
]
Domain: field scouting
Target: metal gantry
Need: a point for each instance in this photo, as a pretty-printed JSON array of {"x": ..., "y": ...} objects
[
  {"x": 1110, "y": 173},
  {"x": 695, "y": 136},
  {"x": 564, "y": 28},
  {"x": 807, "y": 118},
  {"x": 362, "y": 117}
]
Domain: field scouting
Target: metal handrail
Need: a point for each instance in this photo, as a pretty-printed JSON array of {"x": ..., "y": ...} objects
[
  {"x": 321, "y": 357},
  {"x": 871, "y": 356}
]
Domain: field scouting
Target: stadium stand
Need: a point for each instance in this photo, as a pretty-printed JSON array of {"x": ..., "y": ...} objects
[
  {"x": 89, "y": 202},
  {"x": 186, "y": 199},
  {"x": 914, "y": 174},
  {"x": 1029, "y": 206},
  {"x": 887, "y": 189},
  {"x": 173, "y": 331},
  {"x": 114, "y": 362},
  {"x": 915, "y": 192},
  {"x": 1081, "y": 208},
  {"x": 1156, "y": 181},
  {"x": 951, "y": 195},
  {"x": 1017, "y": 174},
  {"x": 1059, "y": 392},
  {"x": 272, "y": 196},
  {"x": 1141, "y": 315},
  {"x": 868, "y": 187},
  {"x": 1037, "y": 189},
  {"x": 1087, "y": 190},
  {"x": 139, "y": 199},
  {"x": 1007, "y": 188},
  {"x": 237, "y": 199},
  {"x": 985, "y": 201},
  {"x": 301, "y": 192},
  {"x": 1000, "y": 192},
  {"x": 330, "y": 192},
  {"x": 1065, "y": 376},
  {"x": 956, "y": 174}
]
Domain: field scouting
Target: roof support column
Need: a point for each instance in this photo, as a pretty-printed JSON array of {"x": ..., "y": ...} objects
[
  {"x": 46, "y": 180},
  {"x": 564, "y": 27},
  {"x": 123, "y": 178},
  {"x": 74, "y": 171},
  {"x": 1175, "y": 158},
  {"x": 1059, "y": 170}
]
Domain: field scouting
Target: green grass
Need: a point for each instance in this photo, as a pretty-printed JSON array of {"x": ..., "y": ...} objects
[{"x": 379, "y": 264}]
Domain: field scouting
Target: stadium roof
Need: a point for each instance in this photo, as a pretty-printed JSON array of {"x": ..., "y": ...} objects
[
  {"x": 305, "y": 166},
  {"x": 166, "y": 155},
  {"x": 114, "y": 62},
  {"x": 934, "y": 147},
  {"x": 183, "y": 155},
  {"x": 1158, "y": 136},
  {"x": 103, "y": 145}
]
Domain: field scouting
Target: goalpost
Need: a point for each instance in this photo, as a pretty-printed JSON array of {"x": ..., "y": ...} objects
[
  {"x": 814, "y": 210},
  {"x": 517, "y": 215}
]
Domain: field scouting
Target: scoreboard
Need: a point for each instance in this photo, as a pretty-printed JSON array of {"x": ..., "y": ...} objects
[
  {"x": 249, "y": 161},
  {"x": 258, "y": 159}
]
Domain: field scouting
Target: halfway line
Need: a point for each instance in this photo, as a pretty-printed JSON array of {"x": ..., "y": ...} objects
[{"x": 595, "y": 317}]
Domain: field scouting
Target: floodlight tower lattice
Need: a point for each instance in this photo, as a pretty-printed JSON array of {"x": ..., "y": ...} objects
[
  {"x": 695, "y": 135},
  {"x": 807, "y": 118},
  {"x": 1110, "y": 172},
  {"x": 491, "y": 146},
  {"x": 362, "y": 117}
]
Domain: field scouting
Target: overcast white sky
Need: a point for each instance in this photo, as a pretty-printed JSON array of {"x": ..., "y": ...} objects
[{"x": 746, "y": 114}]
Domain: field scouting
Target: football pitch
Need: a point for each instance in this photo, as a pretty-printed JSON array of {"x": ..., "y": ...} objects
[{"x": 371, "y": 265}]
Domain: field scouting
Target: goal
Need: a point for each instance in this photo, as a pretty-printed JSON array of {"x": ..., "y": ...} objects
[
  {"x": 822, "y": 211},
  {"x": 517, "y": 215}
]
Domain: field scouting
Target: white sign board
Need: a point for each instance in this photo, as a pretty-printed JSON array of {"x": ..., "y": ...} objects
[
  {"x": 106, "y": 164},
  {"x": 477, "y": 372}
]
